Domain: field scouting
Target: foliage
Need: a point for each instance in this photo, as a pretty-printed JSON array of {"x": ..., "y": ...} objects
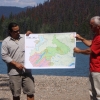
[{"x": 55, "y": 16}]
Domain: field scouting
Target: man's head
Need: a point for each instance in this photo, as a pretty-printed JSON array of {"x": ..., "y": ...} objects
[
  {"x": 13, "y": 29},
  {"x": 95, "y": 24}
]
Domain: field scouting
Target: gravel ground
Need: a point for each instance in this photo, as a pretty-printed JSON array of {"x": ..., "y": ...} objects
[{"x": 51, "y": 88}]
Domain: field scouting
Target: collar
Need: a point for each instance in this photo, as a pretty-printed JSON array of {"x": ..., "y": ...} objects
[{"x": 15, "y": 39}]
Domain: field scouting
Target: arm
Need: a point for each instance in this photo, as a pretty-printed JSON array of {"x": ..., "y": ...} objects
[
  {"x": 5, "y": 53},
  {"x": 28, "y": 33},
  {"x": 18, "y": 65},
  {"x": 85, "y": 51},
  {"x": 6, "y": 57},
  {"x": 85, "y": 41}
]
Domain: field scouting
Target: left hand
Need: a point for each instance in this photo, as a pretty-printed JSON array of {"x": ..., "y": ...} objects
[
  {"x": 76, "y": 50},
  {"x": 28, "y": 33}
]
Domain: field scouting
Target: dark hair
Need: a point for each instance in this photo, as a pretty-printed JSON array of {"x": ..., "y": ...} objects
[{"x": 12, "y": 24}]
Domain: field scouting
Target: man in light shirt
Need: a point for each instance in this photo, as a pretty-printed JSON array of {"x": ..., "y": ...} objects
[{"x": 12, "y": 52}]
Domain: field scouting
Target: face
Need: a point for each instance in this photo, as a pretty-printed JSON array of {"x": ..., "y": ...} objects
[
  {"x": 15, "y": 32},
  {"x": 93, "y": 26}
]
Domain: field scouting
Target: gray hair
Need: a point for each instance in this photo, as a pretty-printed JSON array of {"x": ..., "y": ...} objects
[{"x": 96, "y": 20}]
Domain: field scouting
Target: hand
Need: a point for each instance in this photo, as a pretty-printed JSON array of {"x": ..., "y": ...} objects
[
  {"x": 19, "y": 65},
  {"x": 28, "y": 33},
  {"x": 79, "y": 37},
  {"x": 76, "y": 50}
]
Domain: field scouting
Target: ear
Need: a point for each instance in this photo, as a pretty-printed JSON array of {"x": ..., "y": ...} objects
[
  {"x": 98, "y": 27},
  {"x": 9, "y": 31}
]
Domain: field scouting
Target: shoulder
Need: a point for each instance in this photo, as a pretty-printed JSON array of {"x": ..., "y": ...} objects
[
  {"x": 22, "y": 35},
  {"x": 96, "y": 40},
  {"x": 6, "y": 39}
]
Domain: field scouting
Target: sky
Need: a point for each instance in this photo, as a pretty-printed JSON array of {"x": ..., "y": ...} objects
[{"x": 20, "y": 3}]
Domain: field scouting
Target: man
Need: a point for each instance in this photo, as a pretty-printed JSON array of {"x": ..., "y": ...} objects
[
  {"x": 94, "y": 51},
  {"x": 12, "y": 52}
]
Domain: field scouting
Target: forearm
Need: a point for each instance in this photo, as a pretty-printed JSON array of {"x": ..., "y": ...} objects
[
  {"x": 13, "y": 62},
  {"x": 86, "y": 42},
  {"x": 86, "y": 51},
  {"x": 16, "y": 64}
]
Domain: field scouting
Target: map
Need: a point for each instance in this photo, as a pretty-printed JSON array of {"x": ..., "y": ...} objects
[{"x": 50, "y": 50}]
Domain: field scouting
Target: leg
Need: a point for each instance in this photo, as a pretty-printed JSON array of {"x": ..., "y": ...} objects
[
  {"x": 30, "y": 97},
  {"x": 15, "y": 86},
  {"x": 16, "y": 98},
  {"x": 91, "y": 87},
  {"x": 95, "y": 86},
  {"x": 28, "y": 86}
]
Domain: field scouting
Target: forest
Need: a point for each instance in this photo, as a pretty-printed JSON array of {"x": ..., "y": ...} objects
[{"x": 55, "y": 16}]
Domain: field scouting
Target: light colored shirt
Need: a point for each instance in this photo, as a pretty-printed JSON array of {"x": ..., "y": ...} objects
[{"x": 12, "y": 49}]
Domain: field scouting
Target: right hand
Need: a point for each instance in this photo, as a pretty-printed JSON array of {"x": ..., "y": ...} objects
[{"x": 76, "y": 50}]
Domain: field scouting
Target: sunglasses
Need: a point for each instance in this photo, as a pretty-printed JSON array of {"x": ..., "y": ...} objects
[
  {"x": 16, "y": 31},
  {"x": 93, "y": 26}
]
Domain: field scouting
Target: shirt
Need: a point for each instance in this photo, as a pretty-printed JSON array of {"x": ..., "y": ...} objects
[
  {"x": 12, "y": 49},
  {"x": 95, "y": 55}
]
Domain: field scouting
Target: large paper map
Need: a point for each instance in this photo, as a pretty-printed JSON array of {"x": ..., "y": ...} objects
[{"x": 50, "y": 50}]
